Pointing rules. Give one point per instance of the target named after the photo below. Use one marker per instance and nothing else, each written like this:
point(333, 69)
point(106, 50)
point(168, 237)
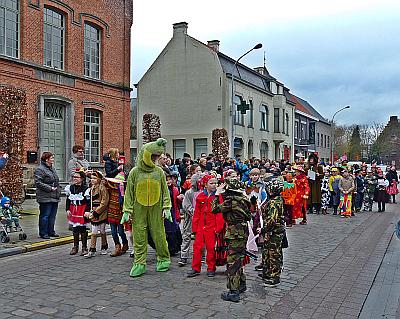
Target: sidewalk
point(29, 223)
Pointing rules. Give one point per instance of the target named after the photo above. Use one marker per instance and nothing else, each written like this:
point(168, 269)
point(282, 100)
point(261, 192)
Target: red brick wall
point(113, 89)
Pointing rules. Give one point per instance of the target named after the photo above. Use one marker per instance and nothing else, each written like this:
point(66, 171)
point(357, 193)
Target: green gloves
point(125, 218)
point(167, 214)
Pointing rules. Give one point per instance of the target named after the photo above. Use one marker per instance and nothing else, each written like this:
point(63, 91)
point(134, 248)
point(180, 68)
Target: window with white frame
point(92, 135)
point(239, 117)
point(328, 142)
point(54, 37)
point(250, 118)
point(303, 127)
point(9, 28)
point(264, 150)
point(179, 147)
point(296, 129)
point(264, 117)
point(200, 146)
point(317, 139)
point(92, 51)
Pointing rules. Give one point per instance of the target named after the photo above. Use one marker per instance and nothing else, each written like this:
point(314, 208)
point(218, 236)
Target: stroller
point(10, 224)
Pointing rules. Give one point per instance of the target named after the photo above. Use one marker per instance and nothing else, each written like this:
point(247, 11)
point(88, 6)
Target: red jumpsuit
point(302, 189)
point(205, 224)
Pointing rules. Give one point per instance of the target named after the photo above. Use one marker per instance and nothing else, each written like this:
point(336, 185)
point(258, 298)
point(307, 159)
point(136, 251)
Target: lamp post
point(257, 46)
point(333, 132)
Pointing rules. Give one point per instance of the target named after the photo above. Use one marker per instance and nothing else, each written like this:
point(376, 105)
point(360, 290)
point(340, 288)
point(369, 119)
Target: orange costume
point(302, 192)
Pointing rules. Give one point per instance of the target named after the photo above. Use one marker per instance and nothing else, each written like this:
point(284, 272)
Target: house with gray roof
point(189, 86)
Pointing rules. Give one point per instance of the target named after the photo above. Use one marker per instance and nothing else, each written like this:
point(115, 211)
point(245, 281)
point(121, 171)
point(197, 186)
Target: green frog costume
point(147, 201)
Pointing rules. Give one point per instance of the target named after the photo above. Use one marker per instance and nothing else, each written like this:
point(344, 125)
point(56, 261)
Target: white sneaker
point(90, 254)
point(104, 252)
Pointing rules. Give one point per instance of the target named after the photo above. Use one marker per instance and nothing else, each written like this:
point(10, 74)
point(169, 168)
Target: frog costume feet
point(163, 266)
point(137, 270)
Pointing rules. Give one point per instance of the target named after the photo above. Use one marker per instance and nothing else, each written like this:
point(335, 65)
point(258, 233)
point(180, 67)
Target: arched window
point(250, 149)
point(264, 150)
point(264, 117)
point(54, 39)
point(9, 28)
point(92, 51)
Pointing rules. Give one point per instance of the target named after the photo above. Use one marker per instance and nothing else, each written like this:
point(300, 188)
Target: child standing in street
point(334, 188)
point(346, 187)
point(370, 187)
point(325, 194)
point(188, 210)
point(205, 225)
point(289, 196)
point(302, 193)
point(381, 191)
point(273, 232)
point(235, 208)
point(98, 213)
point(77, 203)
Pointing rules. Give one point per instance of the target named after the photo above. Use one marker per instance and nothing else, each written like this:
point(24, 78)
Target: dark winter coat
point(315, 186)
point(46, 178)
point(111, 166)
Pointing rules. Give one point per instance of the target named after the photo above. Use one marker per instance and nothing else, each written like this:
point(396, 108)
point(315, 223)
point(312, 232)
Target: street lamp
point(257, 46)
point(333, 132)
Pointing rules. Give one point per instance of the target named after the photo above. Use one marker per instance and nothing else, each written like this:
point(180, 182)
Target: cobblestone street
point(329, 269)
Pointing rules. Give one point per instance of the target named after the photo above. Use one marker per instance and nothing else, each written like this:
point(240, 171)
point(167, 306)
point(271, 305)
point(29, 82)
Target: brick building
point(73, 60)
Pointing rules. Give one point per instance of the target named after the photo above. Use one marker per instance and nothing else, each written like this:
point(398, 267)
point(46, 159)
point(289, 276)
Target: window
point(200, 146)
point(296, 129)
point(179, 147)
point(303, 126)
point(92, 51)
point(283, 121)
point(92, 129)
point(325, 141)
point(276, 120)
point(9, 28)
point(54, 29)
point(239, 117)
point(250, 149)
point(328, 142)
point(264, 117)
point(264, 150)
point(250, 118)
point(317, 139)
point(287, 123)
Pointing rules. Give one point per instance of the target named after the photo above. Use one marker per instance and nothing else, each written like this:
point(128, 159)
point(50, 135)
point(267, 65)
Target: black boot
point(242, 287)
point(231, 295)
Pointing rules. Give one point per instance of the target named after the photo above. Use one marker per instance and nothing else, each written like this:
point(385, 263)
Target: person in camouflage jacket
point(370, 183)
point(235, 208)
point(273, 231)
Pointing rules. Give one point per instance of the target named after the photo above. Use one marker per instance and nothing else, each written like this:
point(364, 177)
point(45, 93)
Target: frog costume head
point(149, 152)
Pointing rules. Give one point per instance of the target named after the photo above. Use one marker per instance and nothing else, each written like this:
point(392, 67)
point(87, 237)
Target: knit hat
point(5, 200)
point(204, 180)
point(274, 186)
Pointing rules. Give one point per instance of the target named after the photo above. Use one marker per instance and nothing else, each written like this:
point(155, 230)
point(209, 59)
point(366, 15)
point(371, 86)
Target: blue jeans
point(359, 200)
point(120, 230)
point(47, 218)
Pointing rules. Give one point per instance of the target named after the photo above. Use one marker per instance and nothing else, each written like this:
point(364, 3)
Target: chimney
point(213, 44)
point(180, 28)
point(260, 69)
point(393, 119)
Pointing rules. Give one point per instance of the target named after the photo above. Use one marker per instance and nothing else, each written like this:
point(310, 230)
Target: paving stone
point(22, 313)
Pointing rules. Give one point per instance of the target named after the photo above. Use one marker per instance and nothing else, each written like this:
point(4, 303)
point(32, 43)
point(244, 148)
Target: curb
point(40, 245)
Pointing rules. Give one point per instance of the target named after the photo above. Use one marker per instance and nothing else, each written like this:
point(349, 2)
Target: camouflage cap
point(234, 185)
point(274, 186)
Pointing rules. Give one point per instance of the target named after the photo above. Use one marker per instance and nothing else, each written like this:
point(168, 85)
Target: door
point(54, 134)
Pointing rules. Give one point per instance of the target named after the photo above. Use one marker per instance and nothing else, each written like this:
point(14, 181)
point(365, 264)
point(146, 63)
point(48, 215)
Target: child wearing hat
point(273, 232)
point(302, 193)
point(325, 193)
point(381, 192)
point(8, 215)
point(205, 226)
point(235, 208)
point(370, 182)
point(334, 188)
point(98, 213)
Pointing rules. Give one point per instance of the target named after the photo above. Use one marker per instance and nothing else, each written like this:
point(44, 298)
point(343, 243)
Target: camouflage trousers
point(236, 242)
point(368, 201)
point(272, 256)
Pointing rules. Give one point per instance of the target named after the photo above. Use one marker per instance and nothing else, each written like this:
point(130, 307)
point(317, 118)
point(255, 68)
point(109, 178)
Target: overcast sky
point(331, 53)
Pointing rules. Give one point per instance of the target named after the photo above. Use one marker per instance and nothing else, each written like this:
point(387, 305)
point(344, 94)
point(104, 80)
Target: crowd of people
point(229, 207)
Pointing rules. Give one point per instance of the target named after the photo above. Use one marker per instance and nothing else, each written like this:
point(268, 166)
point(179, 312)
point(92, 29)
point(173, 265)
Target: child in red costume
point(302, 192)
point(205, 225)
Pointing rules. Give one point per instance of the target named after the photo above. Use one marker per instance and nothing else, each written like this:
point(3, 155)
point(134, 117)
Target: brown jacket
point(99, 203)
point(347, 184)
